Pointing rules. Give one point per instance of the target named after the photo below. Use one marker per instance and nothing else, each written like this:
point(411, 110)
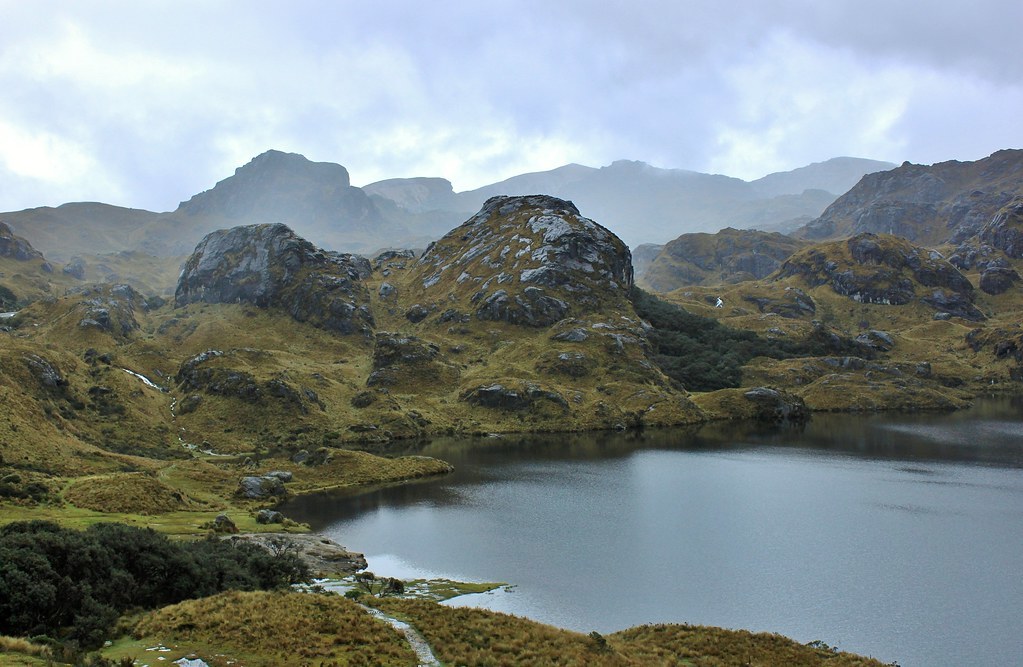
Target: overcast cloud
point(145, 103)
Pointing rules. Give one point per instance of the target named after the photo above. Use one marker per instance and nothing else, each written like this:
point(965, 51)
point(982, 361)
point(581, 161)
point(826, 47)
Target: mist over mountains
point(639, 202)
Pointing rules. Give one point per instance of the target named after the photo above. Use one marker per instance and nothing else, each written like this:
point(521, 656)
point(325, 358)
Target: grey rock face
point(997, 280)
point(775, 406)
point(324, 557)
point(399, 359)
point(15, 246)
point(46, 372)
point(110, 308)
point(270, 266)
point(204, 372)
point(886, 270)
point(1005, 231)
point(75, 268)
point(505, 398)
point(945, 202)
point(527, 260)
point(257, 488)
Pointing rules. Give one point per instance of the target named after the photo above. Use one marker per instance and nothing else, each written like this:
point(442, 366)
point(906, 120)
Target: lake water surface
point(895, 536)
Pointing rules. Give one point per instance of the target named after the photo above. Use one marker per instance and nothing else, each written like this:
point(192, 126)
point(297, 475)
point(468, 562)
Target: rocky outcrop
point(16, 247)
point(260, 488)
point(998, 279)
point(501, 397)
point(1005, 231)
point(793, 303)
point(777, 407)
point(208, 372)
point(946, 202)
point(529, 260)
point(407, 361)
point(882, 269)
point(324, 557)
point(728, 256)
point(109, 308)
point(270, 266)
point(75, 268)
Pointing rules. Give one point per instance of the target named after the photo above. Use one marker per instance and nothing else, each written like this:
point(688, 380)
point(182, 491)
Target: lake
point(895, 536)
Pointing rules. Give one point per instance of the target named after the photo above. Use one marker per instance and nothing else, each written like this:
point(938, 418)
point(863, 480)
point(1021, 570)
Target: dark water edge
point(897, 536)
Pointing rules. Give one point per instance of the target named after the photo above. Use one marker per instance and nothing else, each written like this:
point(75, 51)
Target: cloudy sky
point(143, 104)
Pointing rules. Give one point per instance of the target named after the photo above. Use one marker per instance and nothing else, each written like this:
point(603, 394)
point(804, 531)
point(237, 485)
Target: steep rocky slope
point(728, 256)
point(947, 202)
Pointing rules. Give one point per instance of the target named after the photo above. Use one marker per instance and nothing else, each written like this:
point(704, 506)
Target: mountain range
point(640, 203)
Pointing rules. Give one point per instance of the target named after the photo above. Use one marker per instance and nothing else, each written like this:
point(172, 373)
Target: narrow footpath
point(418, 643)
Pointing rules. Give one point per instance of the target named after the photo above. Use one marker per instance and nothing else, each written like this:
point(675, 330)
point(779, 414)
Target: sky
point(144, 104)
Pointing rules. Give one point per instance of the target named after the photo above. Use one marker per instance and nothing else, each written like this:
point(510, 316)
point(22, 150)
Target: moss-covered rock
point(270, 266)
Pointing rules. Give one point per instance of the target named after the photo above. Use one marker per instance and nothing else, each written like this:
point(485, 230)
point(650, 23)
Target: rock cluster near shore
point(325, 557)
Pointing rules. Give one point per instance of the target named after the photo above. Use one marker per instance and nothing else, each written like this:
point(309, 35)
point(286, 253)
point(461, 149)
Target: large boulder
point(270, 266)
point(777, 407)
point(998, 279)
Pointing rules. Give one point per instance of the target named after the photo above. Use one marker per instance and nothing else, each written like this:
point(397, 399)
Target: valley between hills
point(185, 371)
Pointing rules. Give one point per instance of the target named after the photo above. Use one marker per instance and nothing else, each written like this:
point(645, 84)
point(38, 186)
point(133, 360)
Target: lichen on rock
point(270, 266)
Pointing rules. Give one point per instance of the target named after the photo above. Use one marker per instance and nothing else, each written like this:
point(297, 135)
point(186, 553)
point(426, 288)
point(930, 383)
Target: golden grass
point(274, 628)
point(716, 647)
point(140, 493)
point(477, 637)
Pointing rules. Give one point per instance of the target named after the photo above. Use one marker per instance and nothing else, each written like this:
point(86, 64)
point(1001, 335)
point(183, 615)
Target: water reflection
point(991, 433)
point(893, 535)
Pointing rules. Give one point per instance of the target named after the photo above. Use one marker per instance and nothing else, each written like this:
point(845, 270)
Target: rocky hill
point(888, 270)
point(729, 256)
point(948, 202)
point(270, 266)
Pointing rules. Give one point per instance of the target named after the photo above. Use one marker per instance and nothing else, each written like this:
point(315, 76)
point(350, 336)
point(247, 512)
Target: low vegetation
point(702, 354)
point(73, 585)
point(274, 628)
point(473, 637)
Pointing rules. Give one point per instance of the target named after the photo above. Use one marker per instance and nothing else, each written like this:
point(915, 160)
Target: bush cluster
point(702, 354)
point(74, 584)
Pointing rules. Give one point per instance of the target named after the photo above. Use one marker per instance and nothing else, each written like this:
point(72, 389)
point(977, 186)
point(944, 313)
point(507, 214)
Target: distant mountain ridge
point(637, 201)
point(947, 202)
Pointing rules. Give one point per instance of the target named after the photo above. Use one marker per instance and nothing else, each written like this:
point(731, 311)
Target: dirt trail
point(423, 651)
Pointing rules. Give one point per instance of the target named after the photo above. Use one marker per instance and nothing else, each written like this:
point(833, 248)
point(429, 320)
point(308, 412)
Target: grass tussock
point(479, 637)
point(352, 468)
point(716, 647)
point(476, 637)
point(138, 493)
point(282, 628)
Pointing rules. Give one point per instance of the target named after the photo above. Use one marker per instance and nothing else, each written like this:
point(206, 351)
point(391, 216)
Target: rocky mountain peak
point(268, 265)
point(288, 188)
point(527, 260)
